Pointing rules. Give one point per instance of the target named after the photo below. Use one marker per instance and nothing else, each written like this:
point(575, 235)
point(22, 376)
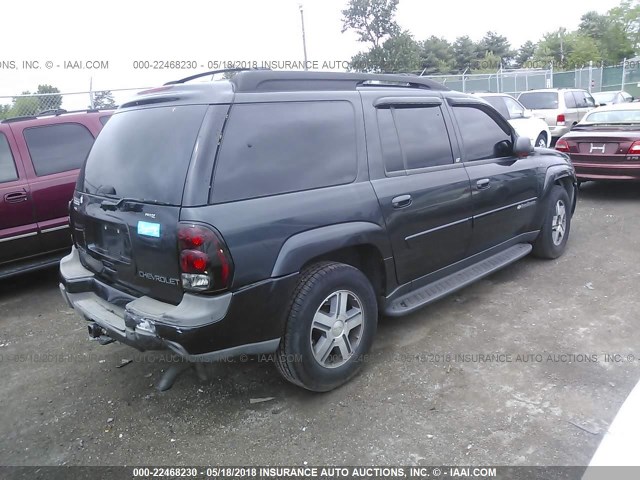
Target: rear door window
point(8, 171)
point(569, 100)
point(144, 154)
point(482, 137)
point(414, 138)
point(274, 148)
point(58, 148)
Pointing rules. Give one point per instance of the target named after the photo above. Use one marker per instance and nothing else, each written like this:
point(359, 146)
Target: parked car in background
point(279, 212)
point(39, 162)
point(605, 145)
point(561, 108)
point(521, 119)
point(611, 98)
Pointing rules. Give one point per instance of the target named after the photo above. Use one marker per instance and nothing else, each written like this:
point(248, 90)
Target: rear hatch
point(127, 203)
point(542, 105)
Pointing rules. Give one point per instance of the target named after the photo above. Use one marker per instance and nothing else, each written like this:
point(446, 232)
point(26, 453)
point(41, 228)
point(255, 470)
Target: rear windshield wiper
point(129, 204)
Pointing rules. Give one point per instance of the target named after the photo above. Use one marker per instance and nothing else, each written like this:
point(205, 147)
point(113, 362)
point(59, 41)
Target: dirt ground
point(510, 371)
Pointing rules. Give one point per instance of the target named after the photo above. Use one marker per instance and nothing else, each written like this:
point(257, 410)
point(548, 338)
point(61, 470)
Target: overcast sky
point(235, 30)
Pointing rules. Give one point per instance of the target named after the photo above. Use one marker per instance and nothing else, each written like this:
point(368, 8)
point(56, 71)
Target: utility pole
point(304, 38)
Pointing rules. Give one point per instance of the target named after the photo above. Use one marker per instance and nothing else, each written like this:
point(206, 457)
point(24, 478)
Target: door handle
point(483, 184)
point(15, 197)
point(401, 201)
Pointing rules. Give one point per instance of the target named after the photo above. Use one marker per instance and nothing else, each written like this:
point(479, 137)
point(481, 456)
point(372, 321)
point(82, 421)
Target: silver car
point(561, 108)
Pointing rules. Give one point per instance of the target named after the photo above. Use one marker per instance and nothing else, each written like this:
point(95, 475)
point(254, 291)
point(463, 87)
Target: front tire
point(552, 240)
point(331, 324)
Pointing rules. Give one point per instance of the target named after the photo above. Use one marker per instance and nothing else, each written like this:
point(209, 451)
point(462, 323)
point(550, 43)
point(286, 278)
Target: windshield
point(539, 100)
point(144, 154)
point(602, 97)
point(613, 116)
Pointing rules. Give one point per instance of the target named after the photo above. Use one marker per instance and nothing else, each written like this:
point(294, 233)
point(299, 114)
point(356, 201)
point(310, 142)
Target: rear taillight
point(205, 262)
point(560, 120)
point(562, 146)
point(634, 149)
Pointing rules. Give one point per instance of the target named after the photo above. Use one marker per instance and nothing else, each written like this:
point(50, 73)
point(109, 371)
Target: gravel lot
point(65, 401)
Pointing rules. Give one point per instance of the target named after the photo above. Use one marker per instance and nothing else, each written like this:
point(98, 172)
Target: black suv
point(285, 211)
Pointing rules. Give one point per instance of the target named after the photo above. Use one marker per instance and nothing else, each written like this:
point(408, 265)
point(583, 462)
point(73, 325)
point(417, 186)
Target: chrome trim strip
point(532, 199)
point(17, 237)
point(419, 234)
point(54, 229)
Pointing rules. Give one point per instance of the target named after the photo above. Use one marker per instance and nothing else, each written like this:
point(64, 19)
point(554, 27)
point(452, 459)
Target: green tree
point(4, 111)
point(103, 99)
point(581, 49)
point(24, 105)
point(372, 20)
point(437, 56)
point(465, 53)
point(613, 34)
point(626, 17)
point(525, 54)
point(398, 54)
point(48, 102)
point(496, 45)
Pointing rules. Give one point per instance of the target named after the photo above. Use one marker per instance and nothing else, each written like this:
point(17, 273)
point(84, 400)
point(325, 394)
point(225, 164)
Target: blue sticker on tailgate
point(149, 229)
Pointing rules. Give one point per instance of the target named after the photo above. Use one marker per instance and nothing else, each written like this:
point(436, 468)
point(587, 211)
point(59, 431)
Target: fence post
point(590, 74)
point(464, 80)
point(551, 70)
point(624, 71)
point(91, 92)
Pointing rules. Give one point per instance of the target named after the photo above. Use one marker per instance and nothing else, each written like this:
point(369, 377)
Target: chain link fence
point(593, 78)
point(42, 103)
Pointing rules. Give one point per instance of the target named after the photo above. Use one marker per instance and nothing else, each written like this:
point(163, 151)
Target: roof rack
point(53, 112)
point(211, 72)
point(271, 81)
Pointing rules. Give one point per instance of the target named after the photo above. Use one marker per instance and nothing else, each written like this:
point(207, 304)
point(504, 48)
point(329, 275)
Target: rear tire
point(552, 240)
point(541, 141)
point(332, 320)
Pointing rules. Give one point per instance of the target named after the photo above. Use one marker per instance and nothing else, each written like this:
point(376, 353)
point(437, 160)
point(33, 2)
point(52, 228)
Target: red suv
point(40, 158)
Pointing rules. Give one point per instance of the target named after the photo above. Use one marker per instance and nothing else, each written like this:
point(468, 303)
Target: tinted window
point(105, 119)
point(389, 141)
point(498, 104)
point(144, 154)
point(516, 110)
point(539, 100)
point(423, 137)
point(569, 100)
point(481, 135)
point(274, 148)
point(58, 148)
point(7, 165)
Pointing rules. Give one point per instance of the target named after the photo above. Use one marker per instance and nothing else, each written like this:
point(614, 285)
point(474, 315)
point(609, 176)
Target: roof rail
point(53, 112)
point(211, 72)
point(270, 81)
point(18, 119)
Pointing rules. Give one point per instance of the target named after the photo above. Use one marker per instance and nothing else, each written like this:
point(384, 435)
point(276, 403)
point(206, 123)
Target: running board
point(434, 291)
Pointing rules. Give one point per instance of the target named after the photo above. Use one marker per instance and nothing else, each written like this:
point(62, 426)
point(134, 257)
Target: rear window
point(613, 116)
point(539, 100)
point(144, 154)
point(274, 148)
point(58, 148)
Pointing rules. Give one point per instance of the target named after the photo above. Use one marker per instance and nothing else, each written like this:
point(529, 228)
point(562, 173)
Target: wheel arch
point(362, 245)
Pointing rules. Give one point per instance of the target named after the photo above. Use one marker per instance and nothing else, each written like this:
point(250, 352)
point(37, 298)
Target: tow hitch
point(96, 332)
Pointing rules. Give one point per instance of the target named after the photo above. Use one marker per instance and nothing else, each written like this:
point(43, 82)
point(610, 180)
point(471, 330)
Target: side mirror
point(526, 113)
point(522, 147)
